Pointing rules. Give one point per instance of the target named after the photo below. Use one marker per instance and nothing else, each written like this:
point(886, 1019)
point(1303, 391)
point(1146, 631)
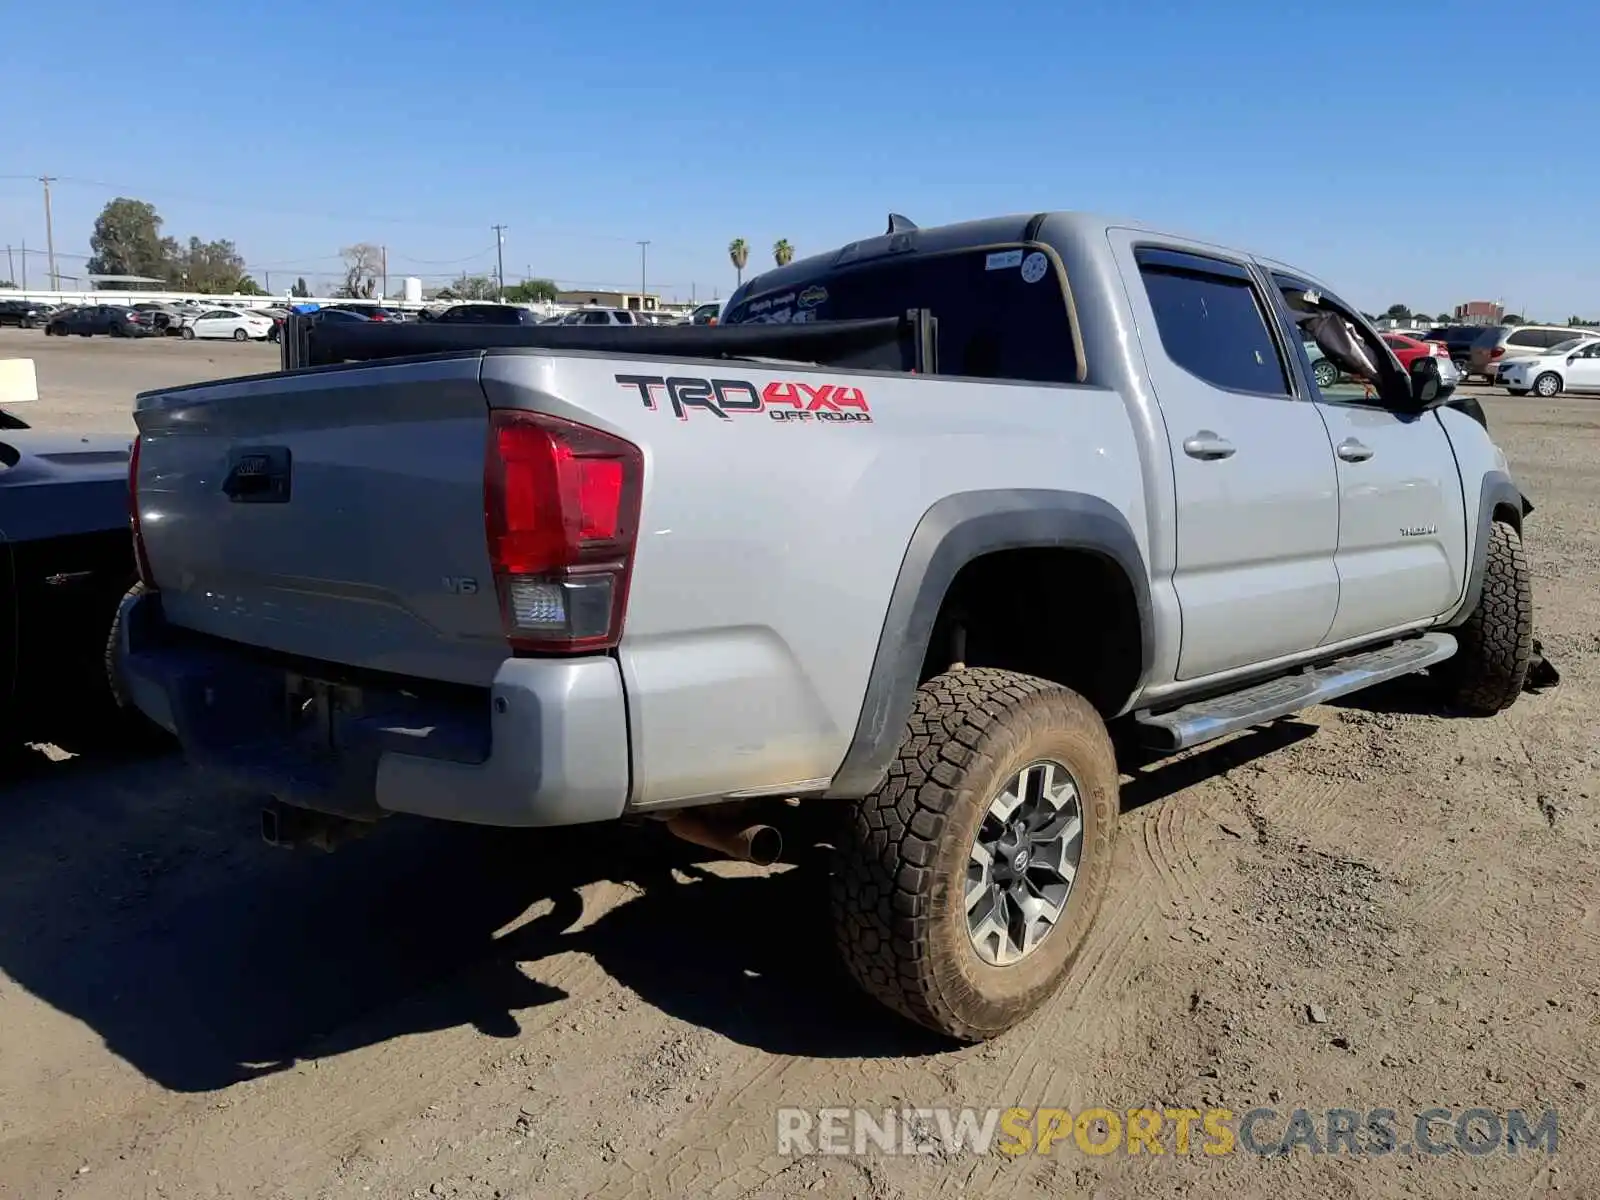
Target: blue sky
point(1404, 153)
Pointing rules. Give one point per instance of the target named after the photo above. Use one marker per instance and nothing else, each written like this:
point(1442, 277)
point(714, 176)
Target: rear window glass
point(1489, 337)
point(1002, 313)
point(1527, 337)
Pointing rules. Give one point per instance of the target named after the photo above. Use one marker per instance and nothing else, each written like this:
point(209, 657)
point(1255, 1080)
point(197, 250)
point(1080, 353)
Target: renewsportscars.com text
point(1266, 1132)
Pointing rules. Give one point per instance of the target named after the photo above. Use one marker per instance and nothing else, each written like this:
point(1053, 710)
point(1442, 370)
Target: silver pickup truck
point(905, 533)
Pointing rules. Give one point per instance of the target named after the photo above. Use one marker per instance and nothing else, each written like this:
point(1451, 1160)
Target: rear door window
point(1002, 311)
point(1527, 337)
point(1212, 322)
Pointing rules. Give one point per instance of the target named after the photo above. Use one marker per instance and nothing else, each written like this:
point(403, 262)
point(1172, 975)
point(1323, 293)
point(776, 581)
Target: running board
point(1207, 720)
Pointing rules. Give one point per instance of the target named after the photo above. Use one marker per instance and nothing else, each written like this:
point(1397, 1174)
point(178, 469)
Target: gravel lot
point(1368, 907)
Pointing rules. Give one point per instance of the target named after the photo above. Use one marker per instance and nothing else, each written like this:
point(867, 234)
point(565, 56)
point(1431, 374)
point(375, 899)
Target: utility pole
point(500, 258)
point(11, 266)
point(24, 264)
point(383, 251)
point(644, 248)
point(50, 233)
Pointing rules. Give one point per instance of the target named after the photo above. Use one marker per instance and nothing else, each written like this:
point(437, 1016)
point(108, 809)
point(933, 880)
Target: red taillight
point(140, 558)
point(561, 511)
point(1497, 352)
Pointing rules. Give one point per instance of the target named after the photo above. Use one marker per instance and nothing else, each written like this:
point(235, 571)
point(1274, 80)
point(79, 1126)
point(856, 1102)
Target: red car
point(1409, 349)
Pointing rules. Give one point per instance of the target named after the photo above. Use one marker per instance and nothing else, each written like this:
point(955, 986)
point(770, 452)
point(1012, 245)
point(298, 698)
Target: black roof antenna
point(899, 224)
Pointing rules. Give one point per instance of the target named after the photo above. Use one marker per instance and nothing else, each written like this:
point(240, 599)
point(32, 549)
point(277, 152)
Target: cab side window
point(1332, 383)
point(1212, 322)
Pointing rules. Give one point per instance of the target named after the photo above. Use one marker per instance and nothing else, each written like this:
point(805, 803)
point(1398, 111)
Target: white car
point(1569, 366)
point(242, 325)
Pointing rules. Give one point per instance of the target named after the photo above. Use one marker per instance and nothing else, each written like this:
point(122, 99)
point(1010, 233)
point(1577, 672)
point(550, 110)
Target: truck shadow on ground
point(145, 907)
point(139, 902)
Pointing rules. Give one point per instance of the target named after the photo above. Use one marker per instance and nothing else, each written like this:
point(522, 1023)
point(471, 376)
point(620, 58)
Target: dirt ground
point(1370, 906)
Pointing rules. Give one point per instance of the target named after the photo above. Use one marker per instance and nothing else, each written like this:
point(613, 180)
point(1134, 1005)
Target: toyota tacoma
point(908, 532)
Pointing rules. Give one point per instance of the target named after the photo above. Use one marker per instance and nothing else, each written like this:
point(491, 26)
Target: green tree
point(474, 287)
point(300, 289)
point(1513, 319)
point(6, 283)
point(1398, 311)
point(212, 268)
point(739, 255)
point(127, 241)
point(782, 252)
point(531, 291)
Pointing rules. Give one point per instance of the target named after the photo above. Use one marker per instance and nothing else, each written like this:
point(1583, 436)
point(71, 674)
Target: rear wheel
point(967, 882)
point(1325, 373)
point(241, 335)
point(1548, 384)
point(1495, 643)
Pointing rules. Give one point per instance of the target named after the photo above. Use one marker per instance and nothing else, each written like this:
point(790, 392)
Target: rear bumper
point(545, 744)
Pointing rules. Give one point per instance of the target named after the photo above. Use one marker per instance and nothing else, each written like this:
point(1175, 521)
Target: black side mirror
point(1428, 389)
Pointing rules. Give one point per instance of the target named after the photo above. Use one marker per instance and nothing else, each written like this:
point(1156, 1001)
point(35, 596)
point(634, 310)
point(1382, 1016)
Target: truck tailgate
point(336, 515)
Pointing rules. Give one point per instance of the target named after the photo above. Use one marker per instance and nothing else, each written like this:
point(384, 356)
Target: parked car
point(1458, 340)
point(165, 319)
point(487, 314)
point(1408, 349)
point(1505, 342)
point(1569, 366)
point(66, 562)
point(371, 312)
point(706, 314)
point(595, 315)
point(529, 647)
point(90, 319)
point(24, 314)
point(242, 325)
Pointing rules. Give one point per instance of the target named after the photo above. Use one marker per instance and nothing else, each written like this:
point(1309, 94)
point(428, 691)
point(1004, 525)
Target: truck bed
point(889, 344)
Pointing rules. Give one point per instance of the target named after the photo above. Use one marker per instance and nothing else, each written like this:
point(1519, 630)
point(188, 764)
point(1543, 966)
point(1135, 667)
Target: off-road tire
point(1495, 642)
point(899, 883)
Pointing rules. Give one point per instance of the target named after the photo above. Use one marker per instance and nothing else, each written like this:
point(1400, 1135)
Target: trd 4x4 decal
point(726, 398)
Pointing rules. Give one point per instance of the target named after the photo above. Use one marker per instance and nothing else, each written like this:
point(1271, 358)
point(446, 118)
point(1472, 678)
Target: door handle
point(1353, 451)
point(1207, 445)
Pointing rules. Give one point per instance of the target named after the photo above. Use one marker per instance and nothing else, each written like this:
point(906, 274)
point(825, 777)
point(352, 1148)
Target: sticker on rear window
point(1034, 267)
point(1002, 259)
point(814, 295)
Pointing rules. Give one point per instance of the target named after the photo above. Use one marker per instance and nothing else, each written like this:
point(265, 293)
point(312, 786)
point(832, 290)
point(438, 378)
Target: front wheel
point(1495, 642)
point(967, 882)
point(1548, 384)
point(187, 334)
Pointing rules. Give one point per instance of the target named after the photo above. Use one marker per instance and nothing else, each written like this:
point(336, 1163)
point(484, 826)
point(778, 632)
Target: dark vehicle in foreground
point(110, 319)
point(24, 314)
point(66, 562)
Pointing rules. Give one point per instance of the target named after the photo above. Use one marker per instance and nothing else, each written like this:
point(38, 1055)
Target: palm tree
point(782, 252)
point(739, 255)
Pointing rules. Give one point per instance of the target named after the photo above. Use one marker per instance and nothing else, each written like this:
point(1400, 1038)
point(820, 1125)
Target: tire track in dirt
point(1161, 851)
